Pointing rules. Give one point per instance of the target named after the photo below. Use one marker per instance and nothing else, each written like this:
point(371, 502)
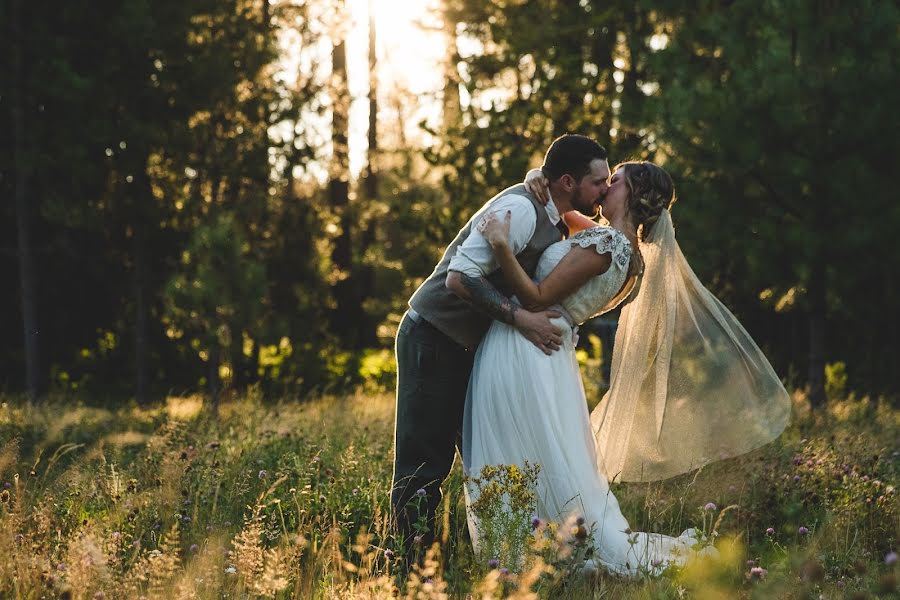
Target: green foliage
point(836, 379)
point(219, 283)
point(378, 369)
point(772, 117)
point(147, 124)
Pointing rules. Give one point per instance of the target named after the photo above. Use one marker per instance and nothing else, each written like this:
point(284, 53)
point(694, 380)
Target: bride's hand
point(538, 185)
point(495, 230)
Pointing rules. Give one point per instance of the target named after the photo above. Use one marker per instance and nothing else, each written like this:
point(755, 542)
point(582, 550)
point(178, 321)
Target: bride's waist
point(564, 314)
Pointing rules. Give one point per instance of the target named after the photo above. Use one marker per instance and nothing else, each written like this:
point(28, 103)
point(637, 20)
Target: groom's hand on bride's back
point(538, 329)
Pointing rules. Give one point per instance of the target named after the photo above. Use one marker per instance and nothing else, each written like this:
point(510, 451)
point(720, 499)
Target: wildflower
point(758, 573)
point(322, 498)
point(418, 539)
point(796, 478)
point(579, 532)
point(421, 493)
point(579, 521)
point(751, 563)
point(890, 558)
point(803, 530)
point(656, 562)
point(709, 506)
point(194, 548)
point(388, 554)
point(770, 531)
point(6, 485)
point(99, 596)
point(493, 563)
point(61, 567)
point(535, 523)
point(262, 474)
point(839, 584)
point(504, 572)
point(230, 570)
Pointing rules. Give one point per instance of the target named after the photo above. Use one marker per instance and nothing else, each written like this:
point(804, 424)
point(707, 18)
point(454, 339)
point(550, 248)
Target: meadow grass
point(290, 499)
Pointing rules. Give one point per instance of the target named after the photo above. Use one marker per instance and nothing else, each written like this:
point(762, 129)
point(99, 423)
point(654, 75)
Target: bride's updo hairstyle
point(651, 192)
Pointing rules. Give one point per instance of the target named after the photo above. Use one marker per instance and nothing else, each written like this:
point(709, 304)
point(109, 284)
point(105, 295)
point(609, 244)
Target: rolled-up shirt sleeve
point(474, 256)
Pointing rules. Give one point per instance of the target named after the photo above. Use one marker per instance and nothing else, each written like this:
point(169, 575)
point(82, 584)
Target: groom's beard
point(590, 210)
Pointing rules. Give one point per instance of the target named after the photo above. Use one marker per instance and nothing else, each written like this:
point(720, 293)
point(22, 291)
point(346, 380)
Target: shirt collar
point(552, 211)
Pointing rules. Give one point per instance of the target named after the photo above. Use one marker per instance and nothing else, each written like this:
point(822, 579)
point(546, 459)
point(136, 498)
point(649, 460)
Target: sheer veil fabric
point(688, 385)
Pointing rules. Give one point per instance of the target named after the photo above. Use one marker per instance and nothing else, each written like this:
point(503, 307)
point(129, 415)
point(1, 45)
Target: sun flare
point(409, 41)
point(410, 50)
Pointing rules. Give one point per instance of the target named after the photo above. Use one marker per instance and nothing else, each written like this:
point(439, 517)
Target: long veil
point(688, 385)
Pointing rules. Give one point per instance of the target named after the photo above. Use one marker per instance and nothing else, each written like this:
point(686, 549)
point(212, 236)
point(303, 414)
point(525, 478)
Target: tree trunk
point(365, 274)
point(817, 308)
point(451, 108)
point(141, 200)
point(238, 361)
point(371, 169)
point(212, 375)
point(345, 318)
point(818, 286)
point(27, 274)
point(140, 315)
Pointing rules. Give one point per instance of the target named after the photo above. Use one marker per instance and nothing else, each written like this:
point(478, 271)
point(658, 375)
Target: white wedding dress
point(523, 405)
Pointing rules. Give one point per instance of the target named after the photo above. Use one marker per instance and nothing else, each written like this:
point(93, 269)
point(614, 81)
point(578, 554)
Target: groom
point(452, 310)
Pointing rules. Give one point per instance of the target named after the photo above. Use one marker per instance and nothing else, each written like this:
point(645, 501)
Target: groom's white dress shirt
point(474, 256)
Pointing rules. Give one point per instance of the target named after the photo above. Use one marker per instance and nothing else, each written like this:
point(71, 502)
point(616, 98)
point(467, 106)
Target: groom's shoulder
point(518, 189)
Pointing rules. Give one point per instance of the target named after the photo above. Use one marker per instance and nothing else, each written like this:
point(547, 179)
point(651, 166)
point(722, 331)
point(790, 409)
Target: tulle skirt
point(523, 405)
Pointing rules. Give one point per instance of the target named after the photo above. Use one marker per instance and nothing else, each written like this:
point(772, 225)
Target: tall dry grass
point(290, 500)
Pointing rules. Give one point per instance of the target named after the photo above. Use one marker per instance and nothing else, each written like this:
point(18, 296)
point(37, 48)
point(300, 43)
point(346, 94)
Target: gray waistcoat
point(456, 318)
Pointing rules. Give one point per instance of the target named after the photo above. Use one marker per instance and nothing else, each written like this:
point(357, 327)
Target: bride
point(688, 384)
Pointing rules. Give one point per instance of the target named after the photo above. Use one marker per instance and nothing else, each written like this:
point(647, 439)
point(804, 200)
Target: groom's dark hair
point(571, 154)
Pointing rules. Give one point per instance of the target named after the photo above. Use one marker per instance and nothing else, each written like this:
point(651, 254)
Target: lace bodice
point(594, 295)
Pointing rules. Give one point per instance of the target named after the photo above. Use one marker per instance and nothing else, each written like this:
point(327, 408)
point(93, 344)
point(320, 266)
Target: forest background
point(211, 195)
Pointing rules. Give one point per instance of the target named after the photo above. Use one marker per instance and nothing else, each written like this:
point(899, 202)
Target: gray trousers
point(432, 378)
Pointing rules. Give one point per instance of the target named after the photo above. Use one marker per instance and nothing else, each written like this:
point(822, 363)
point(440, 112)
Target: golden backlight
point(411, 49)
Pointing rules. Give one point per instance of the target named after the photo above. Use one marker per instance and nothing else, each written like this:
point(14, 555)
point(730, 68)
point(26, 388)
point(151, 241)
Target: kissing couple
point(486, 356)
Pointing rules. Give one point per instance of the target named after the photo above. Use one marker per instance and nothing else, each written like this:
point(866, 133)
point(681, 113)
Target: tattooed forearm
point(485, 297)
